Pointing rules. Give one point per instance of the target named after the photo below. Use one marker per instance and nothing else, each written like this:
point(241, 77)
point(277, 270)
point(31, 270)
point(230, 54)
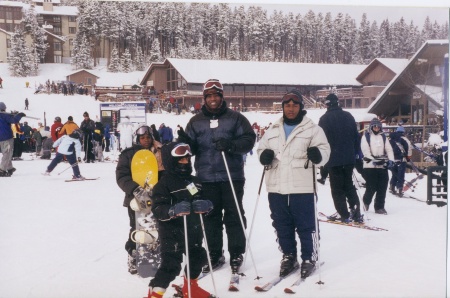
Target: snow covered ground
point(67, 239)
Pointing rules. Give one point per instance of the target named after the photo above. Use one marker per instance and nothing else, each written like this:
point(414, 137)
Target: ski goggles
point(181, 150)
point(290, 96)
point(213, 83)
point(144, 129)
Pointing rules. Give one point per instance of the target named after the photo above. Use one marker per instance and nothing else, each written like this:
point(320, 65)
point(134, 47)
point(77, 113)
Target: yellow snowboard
point(144, 168)
point(144, 171)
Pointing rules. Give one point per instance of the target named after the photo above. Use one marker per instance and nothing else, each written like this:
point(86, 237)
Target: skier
point(217, 131)
point(377, 151)
point(69, 146)
point(26, 103)
point(176, 195)
point(87, 127)
point(7, 140)
point(400, 148)
point(68, 127)
point(144, 140)
point(286, 148)
point(56, 128)
point(340, 129)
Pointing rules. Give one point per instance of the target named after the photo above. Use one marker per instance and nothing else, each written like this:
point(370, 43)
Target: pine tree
point(81, 54)
point(114, 61)
point(126, 63)
point(139, 59)
point(155, 52)
point(39, 39)
point(19, 55)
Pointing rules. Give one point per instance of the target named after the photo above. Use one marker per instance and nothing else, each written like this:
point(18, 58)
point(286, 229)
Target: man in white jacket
point(286, 150)
point(378, 157)
point(69, 146)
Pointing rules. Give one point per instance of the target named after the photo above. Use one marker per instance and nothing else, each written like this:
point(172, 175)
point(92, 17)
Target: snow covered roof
point(434, 92)
point(13, 3)
point(411, 62)
point(58, 10)
point(394, 64)
point(42, 1)
point(62, 38)
point(80, 70)
point(267, 73)
point(6, 32)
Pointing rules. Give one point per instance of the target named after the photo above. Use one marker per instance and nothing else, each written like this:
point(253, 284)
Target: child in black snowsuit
point(176, 195)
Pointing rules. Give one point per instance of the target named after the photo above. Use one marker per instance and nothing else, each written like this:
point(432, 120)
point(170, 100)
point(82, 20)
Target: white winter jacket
point(376, 149)
point(287, 174)
point(63, 144)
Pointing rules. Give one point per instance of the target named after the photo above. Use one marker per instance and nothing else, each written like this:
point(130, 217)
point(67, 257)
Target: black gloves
point(180, 209)
point(21, 114)
point(266, 157)
point(225, 145)
point(314, 154)
point(183, 137)
point(202, 206)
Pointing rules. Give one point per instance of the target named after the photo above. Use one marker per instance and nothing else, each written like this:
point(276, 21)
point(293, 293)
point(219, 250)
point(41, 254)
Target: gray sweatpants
point(7, 148)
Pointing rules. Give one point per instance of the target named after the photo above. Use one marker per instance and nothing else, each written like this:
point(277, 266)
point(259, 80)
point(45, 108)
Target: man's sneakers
point(132, 264)
point(289, 264)
point(216, 262)
point(236, 262)
point(307, 268)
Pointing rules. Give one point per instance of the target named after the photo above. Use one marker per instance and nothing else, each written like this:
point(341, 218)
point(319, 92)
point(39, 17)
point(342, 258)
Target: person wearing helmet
point(70, 147)
point(7, 140)
point(144, 141)
point(56, 127)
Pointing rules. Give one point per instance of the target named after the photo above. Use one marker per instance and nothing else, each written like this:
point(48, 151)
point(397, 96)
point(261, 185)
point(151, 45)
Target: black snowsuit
point(170, 190)
point(88, 127)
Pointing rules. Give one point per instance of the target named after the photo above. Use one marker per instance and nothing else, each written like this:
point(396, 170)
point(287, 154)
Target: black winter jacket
point(123, 173)
point(202, 129)
point(340, 128)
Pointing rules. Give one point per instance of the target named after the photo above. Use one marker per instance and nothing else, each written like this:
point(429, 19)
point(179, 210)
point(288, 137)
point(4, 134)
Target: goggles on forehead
point(212, 84)
point(144, 129)
point(181, 150)
point(290, 96)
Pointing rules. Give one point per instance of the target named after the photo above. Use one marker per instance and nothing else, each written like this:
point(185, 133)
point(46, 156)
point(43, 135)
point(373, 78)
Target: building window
point(57, 46)
point(72, 30)
point(57, 29)
point(57, 59)
point(72, 18)
point(9, 15)
point(57, 19)
point(9, 27)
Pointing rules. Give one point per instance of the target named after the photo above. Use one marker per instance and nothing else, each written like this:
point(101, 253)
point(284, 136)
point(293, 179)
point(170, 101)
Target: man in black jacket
point(340, 128)
point(88, 128)
point(214, 130)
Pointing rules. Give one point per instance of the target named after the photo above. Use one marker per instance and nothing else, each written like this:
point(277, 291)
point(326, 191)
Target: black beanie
point(297, 94)
point(332, 100)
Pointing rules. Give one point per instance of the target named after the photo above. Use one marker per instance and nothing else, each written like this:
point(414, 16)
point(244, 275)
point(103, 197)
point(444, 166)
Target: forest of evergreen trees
point(141, 32)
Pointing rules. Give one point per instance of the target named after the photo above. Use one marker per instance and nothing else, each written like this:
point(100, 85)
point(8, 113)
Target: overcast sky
point(378, 10)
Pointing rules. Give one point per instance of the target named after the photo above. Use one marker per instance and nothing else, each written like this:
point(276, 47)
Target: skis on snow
point(85, 179)
point(293, 288)
point(270, 284)
point(351, 224)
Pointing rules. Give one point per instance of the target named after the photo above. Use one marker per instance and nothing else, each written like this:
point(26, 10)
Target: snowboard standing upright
point(144, 171)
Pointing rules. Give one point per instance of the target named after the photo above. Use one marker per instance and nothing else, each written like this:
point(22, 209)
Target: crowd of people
point(289, 149)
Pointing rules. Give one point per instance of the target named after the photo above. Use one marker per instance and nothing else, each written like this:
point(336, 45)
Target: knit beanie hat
point(212, 84)
point(85, 114)
point(332, 100)
point(70, 118)
point(2, 106)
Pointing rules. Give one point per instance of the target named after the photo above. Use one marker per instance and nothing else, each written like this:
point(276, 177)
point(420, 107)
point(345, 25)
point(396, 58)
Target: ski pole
point(240, 215)
point(187, 256)
point(71, 166)
point(254, 212)
point(208, 255)
point(316, 223)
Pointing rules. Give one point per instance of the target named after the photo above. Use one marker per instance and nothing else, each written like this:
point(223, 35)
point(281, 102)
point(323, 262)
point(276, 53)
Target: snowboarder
point(69, 146)
point(176, 195)
point(144, 140)
point(286, 147)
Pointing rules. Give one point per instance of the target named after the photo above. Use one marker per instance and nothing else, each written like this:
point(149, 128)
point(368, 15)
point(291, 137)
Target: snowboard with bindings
point(144, 171)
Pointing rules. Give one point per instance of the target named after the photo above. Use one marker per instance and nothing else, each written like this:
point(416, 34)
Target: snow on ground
point(67, 239)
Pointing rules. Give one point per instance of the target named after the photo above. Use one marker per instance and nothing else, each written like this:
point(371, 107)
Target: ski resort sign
point(112, 113)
